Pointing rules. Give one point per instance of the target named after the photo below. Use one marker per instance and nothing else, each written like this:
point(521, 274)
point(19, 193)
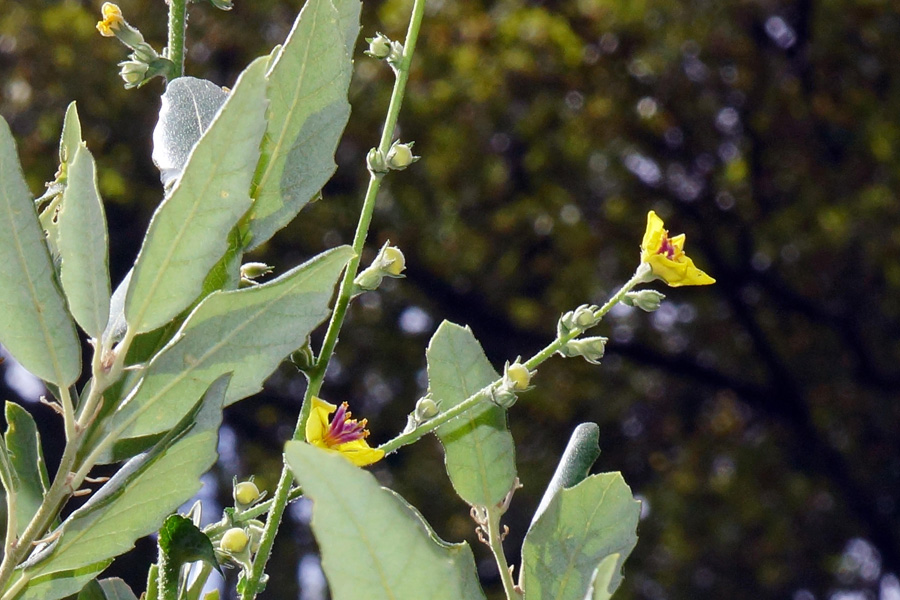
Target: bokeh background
point(757, 419)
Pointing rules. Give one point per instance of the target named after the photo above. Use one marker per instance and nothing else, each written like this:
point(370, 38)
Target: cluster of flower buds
point(516, 379)
point(390, 262)
point(383, 48)
point(646, 300)
point(583, 317)
point(590, 349)
point(398, 157)
point(251, 271)
point(144, 63)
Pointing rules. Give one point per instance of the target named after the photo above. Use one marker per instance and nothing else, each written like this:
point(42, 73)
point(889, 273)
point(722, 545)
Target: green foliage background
point(758, 418)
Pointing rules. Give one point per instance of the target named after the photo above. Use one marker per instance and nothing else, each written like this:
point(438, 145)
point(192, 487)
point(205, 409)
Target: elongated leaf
point(581, 528)
point(62, 584)
point(374, 545)
point(188, 232)
point(84, 246)
point(246, 332)
point(71, 135)
point(112, 588)
point(307, 89)
point(188, 107)
point(23, 442)
point(581, 452)
point(137, 499)
point(34, 324)
point(479, 450)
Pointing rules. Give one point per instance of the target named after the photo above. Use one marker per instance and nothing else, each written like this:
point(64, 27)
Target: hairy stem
point(282, 491)
point(177, 29)
point(495, 541)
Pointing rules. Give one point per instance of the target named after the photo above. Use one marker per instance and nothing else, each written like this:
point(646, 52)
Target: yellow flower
point(343, 434)
point(666, 256)
point(112, 19)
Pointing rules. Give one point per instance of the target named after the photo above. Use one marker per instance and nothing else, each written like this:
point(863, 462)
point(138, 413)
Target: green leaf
point(62, 584)
point(188, 107)
point(70, 139)
point(307, 90)
point(479, 450)
point(374, 545)
point(246, 332)
point(112, 588)
point(141, 494)
point(84, 245)
point(581, 528)
point(184, 542)
point(188, 232)
point(23, 443)
point(581, 452)
point(35, 326)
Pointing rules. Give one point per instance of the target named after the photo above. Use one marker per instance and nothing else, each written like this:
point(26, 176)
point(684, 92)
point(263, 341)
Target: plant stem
point(317, 376)
point(168, 576)
point(177, 28)
point(483, 394)
point(495, 541)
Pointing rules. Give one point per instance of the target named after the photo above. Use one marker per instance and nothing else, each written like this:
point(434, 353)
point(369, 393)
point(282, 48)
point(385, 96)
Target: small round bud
point(252, 270)
point(234, 541)
point(590, 349)
point(426, 408)
point(503, 397)
point(400, 156)
point(584, 316)
point(303, 357)
point(379, 46)
point(133, 72)
point(393, 260)
point(519, 376)
point(246, 493)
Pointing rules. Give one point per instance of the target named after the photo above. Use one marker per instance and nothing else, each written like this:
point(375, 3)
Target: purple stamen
point(343, 429)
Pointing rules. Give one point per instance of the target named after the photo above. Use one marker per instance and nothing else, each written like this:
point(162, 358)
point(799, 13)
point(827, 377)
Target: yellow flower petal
point(317, 423)
point(666, 256)
point(112, 19)
point(360, 453)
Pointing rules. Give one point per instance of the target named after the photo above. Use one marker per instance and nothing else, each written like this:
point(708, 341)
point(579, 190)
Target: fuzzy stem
point(177, 29)
point(317, 376)
point(495, 542)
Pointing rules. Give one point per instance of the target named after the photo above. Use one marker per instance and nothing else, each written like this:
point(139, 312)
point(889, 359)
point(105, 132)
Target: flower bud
point(646, 300)
point(234, 541)
point(112, 19)
point(400, 156)
point(390, 262)
point(517, 377)
point(503, 396)
point(303, 357)
point(590, 349)
point(246, 493)
point(426, 408)
point(133, 72)
point(585, 317)
point(379, 46)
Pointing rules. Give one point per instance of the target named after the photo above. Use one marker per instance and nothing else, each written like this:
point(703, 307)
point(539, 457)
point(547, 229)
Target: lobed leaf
point(35, 326)
point(246, 332)
point(142, 493)
point(84, 245)
point(478, 449)
point(186, 236)
point(23, 444)
point(374, 545)
point(580, 529)
point(308, 110)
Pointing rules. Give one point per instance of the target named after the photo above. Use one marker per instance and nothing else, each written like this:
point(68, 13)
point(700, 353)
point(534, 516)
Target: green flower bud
point(426, 408)
point(252, 270)
point(400, 156)
point(303, 357)
point(584, 316)
point(503, 397)
point(246, 493)
point(133, 72)
point(390, 262)
point(646, 300)
point(379, 46)
point(590, 349)
point(234, 541)
point(222, 4)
